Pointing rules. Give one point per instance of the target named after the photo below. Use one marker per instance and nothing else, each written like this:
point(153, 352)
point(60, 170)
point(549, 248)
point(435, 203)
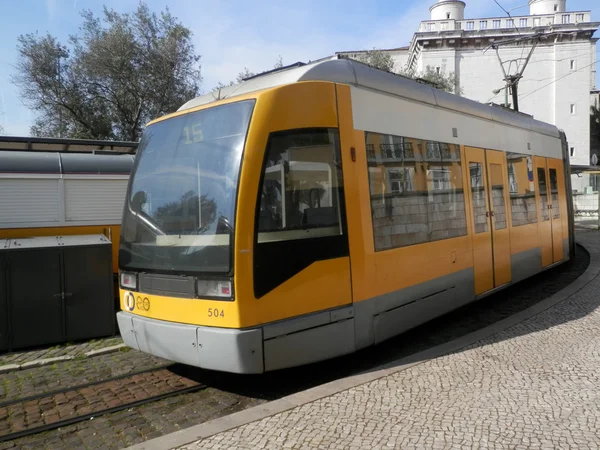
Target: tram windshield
point(180, 209)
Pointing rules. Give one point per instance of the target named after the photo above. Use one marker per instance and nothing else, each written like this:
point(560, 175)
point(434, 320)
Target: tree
point(440, 80)
point(384, 61)
point(119, 72)
point(246, 73)
point(378, 59)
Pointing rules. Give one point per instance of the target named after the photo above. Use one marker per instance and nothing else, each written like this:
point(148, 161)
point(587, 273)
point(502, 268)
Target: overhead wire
point(558, 79)
point(516, 27)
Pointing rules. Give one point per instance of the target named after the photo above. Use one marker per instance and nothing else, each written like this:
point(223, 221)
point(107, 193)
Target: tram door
point(488, 181)
point(550, 221)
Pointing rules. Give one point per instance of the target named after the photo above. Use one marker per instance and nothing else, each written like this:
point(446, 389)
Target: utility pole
point(512, 81)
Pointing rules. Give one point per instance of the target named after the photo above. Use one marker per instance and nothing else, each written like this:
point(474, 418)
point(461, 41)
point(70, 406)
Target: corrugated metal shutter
point(95, 200)
point(28, 201)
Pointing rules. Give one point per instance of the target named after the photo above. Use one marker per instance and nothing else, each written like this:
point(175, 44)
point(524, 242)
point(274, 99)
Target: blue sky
point(231, 35)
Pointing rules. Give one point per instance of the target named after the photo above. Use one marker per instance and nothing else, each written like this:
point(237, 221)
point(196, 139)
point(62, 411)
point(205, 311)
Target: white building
point(556, 83)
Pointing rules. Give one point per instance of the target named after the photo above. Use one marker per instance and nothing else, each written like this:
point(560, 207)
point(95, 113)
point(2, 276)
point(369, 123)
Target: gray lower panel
point(526, 264)
point(289, 326)
point(125, 324)
point(305, 347)
point(399, 320)
point(237, 351)
point(566, 254)
point(229, 350)
point(405, 309)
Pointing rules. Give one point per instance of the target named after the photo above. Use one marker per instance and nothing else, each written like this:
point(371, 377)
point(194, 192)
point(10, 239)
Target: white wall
point(455, 9)
point(547, 91)
point(546, 6)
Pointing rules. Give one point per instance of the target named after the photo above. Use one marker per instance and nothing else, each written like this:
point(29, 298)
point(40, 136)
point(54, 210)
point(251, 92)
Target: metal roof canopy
point(65, 163)
point(361, 75)
point(577, 169)
point(66, 145)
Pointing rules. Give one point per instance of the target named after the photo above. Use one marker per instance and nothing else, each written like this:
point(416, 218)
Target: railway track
point(50, 410)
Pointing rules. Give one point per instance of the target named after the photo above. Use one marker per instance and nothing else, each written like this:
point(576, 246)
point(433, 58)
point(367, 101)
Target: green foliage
point(384, 61)
point(247, 73)
point(440, 80)
point(118, 73)
point(378, 59)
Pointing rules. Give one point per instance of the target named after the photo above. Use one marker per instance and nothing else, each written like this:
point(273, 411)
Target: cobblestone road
point(39, 380)
point(72, 350)
point(229, 394)
point(534, 385)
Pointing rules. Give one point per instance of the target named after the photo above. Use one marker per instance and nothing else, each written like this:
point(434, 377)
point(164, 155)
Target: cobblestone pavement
point(125, 428)
point(78, 350)
point(229, 394)
point(33, 413)
point(39, 380)
point(533, 385)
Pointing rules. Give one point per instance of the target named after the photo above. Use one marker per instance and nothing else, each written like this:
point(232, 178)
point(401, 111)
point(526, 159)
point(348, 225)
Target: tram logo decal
point(142, 304)
point(129, 301)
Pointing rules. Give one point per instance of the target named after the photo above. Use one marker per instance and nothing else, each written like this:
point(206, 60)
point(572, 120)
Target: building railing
point(499, 23)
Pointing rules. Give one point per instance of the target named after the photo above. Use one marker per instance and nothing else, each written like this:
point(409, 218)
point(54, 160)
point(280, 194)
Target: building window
point(537, 22)
point(429, 27)
point(444, 26)
point(573, 64)
point(458, 25)
point(437, 69)
point(555, 8)
point(496, 24)
point(579, 18)
point(573, 109)
point(566, 18)
point(523, 22)
point(572, 151)
point(470, 25)
point(400, 180)
point(521, 188)
point(447, 15)
point(418, 196)
point(483, 24)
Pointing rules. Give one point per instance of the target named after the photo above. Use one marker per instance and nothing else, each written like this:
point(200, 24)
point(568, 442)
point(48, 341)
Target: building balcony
point(503, 23)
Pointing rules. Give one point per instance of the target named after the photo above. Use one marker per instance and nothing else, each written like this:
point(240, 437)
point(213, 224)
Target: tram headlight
point(214, 289)
point(129, 280)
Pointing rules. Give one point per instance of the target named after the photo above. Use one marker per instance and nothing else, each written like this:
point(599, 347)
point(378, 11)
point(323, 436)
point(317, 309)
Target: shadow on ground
point(470, 318)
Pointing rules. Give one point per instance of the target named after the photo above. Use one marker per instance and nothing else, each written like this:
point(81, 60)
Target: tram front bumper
point(222, 349)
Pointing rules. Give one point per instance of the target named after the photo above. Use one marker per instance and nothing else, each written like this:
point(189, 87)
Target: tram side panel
point(416, 252)
point(425, 208)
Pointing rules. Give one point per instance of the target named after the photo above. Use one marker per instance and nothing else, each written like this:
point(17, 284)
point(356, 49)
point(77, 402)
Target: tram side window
point(522, 189)
point(416, 191)
point(300, 192)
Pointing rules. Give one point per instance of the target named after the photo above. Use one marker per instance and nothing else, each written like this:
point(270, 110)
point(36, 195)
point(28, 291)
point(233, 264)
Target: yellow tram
point(317, 210)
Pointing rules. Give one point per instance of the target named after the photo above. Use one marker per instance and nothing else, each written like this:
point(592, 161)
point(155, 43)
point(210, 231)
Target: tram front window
point(180, 208)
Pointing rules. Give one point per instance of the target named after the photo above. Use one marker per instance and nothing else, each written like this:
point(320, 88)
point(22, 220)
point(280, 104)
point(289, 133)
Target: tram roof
point(357, 74)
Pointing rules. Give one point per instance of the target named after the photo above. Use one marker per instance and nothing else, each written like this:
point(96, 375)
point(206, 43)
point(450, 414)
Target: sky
point(234, 34)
